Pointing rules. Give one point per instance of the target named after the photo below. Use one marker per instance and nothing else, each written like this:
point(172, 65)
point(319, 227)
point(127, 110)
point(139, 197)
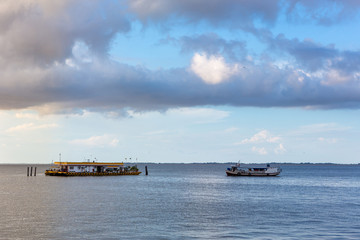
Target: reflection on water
point(182, 201)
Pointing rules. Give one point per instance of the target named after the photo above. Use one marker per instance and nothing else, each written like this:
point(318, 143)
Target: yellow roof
point(89, 163)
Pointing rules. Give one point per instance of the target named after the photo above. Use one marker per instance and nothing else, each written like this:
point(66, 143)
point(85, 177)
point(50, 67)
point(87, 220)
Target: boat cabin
point(90, 167)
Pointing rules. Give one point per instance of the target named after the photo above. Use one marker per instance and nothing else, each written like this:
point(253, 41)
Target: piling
point(29, 173)
point(146, 171)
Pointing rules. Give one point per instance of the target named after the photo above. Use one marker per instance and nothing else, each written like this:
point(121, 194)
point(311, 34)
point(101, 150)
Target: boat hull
point(82, 174)
point(250, 174)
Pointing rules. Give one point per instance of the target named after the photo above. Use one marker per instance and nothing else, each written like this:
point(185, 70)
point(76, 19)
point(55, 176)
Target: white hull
point(249, 174)
point(253, 171)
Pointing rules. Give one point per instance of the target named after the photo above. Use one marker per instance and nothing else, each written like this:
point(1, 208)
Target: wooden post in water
point(35, 172)
point(30, 171)
point(146, 171)
point(27, 171)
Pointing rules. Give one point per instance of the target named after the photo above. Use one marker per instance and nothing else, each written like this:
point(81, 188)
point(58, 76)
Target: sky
point(180, 81)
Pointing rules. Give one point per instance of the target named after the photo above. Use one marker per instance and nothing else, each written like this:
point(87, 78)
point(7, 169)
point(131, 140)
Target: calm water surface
point(182, 201)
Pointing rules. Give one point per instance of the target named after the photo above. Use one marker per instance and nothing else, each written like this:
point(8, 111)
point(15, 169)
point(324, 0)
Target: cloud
point(97, 141)
point(314, 57)
point(41, 32)
point(236, 12)
point(54, 59)
point(260, 137)
point(212, 44)
point(110, 86)
point(259, 150)
point(309, 54)
point(212, 69)
point(30, 127)
point(27, 115)
point(280, 149)
point(242, 13)
point(103, 85)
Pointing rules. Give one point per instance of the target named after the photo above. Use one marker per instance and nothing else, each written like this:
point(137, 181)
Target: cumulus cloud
point(212, 69)
point(262, 136)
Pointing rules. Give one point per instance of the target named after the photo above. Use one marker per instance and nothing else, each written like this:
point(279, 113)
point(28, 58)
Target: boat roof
point(251, 166)
point(112, 164)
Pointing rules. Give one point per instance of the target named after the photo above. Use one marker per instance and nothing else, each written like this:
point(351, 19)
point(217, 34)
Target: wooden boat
point(253, 171)
point(91, 169)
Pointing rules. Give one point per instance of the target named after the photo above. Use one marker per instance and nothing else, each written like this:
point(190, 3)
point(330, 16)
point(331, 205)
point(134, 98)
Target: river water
point(182, 201)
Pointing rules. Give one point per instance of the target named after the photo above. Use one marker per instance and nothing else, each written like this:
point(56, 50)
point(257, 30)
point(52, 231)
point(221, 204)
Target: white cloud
point(262, 136)
point(212, 69)
point(280, 149)
point(259, 150)
point(30, 126)
point(27, 115)
point(97, 141)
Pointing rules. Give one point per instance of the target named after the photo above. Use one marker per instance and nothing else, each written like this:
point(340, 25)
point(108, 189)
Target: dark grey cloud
point(54, 58)
point(242, 13)
point(109, 86)
point(210, 43)
point(347, 61)
point(232, 12)
point(41, 32)
point(313, 56)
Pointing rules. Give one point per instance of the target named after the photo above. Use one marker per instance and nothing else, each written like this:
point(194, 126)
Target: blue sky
point(180, 81)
